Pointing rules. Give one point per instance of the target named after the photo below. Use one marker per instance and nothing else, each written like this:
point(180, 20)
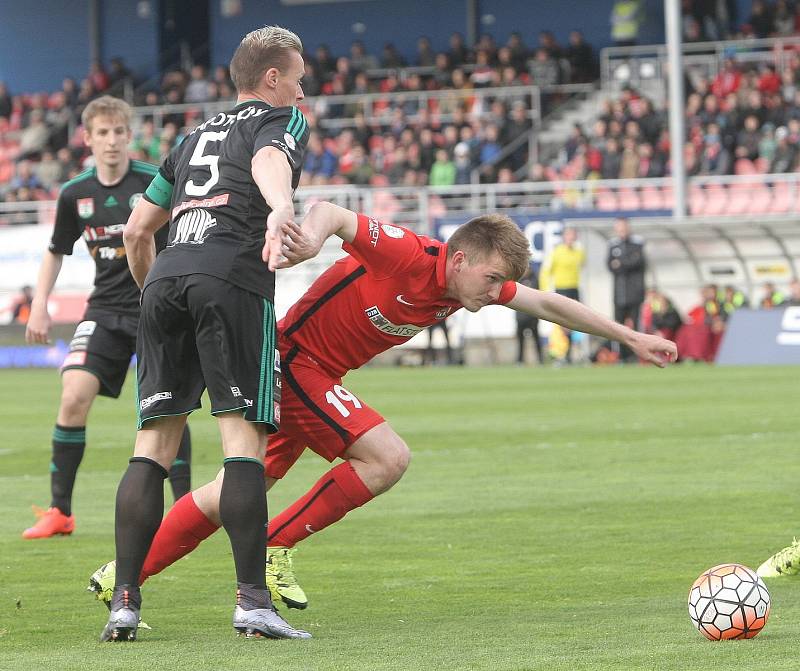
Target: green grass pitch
point(550, 519)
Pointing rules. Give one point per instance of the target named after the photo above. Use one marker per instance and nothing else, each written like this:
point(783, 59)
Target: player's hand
point(38, 327)
point(298, 245)
point(271, 253)
point(654, 349)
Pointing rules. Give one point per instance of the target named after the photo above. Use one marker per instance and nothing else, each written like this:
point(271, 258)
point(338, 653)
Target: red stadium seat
point(760, 200)
point(696, 200)
point(606, 200)
point(739, 196)
point(652, 198)
point(781, 198)
point(762, 165)
point(628, 199)
point(715, 201)
point(669, 196)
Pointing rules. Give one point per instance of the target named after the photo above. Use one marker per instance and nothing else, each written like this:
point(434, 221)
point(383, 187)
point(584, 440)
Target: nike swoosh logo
point(309, 529)
point(400, 300)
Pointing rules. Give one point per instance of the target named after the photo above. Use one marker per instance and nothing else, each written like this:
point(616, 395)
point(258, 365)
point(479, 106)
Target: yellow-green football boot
point(281, 580)
point(783, 562)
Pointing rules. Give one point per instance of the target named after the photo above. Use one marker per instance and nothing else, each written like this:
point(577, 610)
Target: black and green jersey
point(217, 213)
point(98, 213)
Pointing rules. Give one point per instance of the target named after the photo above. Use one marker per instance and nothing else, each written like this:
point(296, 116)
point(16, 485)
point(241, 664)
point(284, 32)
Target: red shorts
point(316, 412)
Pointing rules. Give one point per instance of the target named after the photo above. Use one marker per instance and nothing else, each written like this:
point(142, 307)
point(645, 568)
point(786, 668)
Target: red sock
point(181, 531)
point(334, 495)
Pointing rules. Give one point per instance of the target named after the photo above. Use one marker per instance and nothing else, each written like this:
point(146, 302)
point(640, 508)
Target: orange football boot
point(51, 522)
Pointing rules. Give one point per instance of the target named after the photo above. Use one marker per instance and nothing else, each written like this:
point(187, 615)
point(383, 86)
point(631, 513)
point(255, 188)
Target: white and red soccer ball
point(729, 601)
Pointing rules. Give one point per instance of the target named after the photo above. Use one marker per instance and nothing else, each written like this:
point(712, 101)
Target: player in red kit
point(392, 284)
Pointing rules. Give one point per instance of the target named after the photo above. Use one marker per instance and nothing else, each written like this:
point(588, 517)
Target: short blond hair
point(489, 233)
point(260, 50)
point(106, 106)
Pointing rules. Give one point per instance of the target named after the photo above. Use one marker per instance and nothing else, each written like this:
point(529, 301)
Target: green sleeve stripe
point(147, 168)
point(86, 174)
point(295, 121)
point(298, 132)
point(292, 120)
point(159, 192)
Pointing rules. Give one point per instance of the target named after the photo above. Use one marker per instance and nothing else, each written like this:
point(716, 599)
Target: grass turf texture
point(550, 519)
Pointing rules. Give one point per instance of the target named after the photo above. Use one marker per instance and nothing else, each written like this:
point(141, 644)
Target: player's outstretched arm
point(273, 175)
point(38, 328)
point(577, 317)
point(139, 237)
point(323, 220)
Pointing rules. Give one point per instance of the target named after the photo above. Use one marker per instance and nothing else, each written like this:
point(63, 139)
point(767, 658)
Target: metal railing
point(735, 197)
point(643, 65)
point(377, 108)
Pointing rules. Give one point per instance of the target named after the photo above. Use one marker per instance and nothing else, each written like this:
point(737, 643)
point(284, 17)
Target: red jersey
point(390, 287)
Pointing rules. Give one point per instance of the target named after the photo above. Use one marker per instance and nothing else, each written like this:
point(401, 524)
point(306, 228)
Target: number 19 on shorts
point(338, 397)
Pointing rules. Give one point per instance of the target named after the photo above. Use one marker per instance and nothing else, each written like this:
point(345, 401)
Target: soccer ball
point(729, 601)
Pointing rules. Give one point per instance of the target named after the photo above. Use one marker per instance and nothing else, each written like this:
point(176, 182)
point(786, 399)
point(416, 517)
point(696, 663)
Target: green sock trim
point(78, 435)
point(229, 460)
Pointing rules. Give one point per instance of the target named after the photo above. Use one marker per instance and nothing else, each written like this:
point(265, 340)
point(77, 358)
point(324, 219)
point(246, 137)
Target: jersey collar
point(441, 267)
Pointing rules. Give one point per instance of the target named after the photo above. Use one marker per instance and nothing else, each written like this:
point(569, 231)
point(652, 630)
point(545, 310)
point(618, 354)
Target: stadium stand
point(387, 104)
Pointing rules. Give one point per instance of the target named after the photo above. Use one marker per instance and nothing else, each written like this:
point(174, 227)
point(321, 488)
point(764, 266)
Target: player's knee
point(75, 402)
point(394, 460)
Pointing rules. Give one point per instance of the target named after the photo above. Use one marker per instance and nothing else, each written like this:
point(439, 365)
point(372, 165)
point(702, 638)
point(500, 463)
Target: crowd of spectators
point(745, 120)
point(41, 147)
point(712, 20)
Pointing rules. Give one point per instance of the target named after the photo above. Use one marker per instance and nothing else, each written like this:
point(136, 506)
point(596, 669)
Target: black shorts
point(103, 345)
point(569, 293)
point(199, 332)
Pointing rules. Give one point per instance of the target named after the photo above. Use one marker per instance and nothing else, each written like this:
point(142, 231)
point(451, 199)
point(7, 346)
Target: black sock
point(140, 506)
point(243, 511)
point(251, 597)
point(69, 443)
point(180, 473)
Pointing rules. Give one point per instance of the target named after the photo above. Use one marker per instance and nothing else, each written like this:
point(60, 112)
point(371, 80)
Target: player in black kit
point(95, 206)
point(208, 320)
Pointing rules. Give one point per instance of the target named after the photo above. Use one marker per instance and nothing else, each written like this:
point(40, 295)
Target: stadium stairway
point(557, 126)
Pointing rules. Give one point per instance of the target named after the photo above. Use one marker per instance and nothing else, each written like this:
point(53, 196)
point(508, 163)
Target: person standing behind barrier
point(627, 264)
point(561, 272)
point(772, 298)
point(22, 309)
point(529, 323)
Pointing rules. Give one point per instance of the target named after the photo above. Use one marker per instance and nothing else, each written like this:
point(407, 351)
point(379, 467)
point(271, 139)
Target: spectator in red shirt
point(728, 79)
point(769, 81)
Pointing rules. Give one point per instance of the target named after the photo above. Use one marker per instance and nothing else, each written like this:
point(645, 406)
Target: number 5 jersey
point(217, 213)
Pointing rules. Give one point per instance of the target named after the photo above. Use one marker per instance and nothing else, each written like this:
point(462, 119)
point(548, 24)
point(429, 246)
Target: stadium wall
point(38, 48)
point(44, 42)
point(332, 23)
point(129, 28)
point(127, 32)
